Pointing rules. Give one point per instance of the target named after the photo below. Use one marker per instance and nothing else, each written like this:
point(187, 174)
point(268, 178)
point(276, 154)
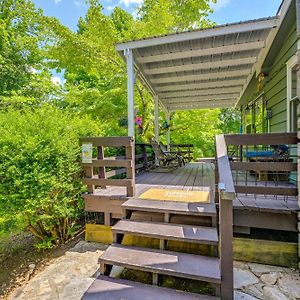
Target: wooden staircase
point(215, 230)
point(160, 261)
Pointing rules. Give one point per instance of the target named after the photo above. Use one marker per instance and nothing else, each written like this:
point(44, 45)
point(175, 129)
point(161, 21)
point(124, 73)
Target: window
point(292, 96)
point(254, 116)
point(259, 115)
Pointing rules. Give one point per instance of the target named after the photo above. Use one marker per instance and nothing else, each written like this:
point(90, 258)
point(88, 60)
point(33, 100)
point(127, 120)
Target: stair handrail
point(226, 194)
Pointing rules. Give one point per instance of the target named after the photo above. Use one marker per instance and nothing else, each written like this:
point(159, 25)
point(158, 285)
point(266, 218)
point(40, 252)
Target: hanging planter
point(165, 125)
point(140, 130)
point(139, 122)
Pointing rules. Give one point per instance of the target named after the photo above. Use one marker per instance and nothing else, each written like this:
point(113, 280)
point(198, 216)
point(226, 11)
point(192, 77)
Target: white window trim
point(291, 63)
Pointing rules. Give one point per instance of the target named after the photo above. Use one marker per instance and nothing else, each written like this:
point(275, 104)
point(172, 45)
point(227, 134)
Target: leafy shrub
point(40, 181)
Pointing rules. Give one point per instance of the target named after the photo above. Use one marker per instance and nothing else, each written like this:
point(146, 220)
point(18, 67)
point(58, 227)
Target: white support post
point(156, 116)
point(168, 135)
point(130, 91)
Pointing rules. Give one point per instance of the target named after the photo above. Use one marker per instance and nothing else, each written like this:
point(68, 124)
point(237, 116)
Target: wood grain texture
point(181, 208)
point(264, 166)
point(175, 232)
point(119, 141)
point(262, 139)
point(164, 262)
point(106, 288)
point(226, 185)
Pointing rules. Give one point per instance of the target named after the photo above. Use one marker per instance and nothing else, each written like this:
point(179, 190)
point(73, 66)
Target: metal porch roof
point(205, 68)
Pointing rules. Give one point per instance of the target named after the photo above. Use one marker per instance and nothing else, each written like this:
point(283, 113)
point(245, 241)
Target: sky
point(225, 11)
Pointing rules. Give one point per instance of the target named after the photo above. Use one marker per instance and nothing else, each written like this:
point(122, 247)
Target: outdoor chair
point(166, 158)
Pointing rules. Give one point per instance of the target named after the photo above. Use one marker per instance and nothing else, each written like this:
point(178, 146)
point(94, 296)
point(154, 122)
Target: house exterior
point(269, 102)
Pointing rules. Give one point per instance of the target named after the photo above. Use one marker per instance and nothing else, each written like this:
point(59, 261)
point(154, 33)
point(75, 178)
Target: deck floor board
point(200, 176)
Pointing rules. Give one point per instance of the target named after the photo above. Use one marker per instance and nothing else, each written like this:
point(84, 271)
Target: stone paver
point(273, 293)
point(243, 278)
point(290, 284)
point(69, 276)
point(242, 296)
point(273, 283)
point(269, 278)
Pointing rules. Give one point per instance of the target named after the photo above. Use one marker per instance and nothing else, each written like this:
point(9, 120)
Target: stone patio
point(69, 276)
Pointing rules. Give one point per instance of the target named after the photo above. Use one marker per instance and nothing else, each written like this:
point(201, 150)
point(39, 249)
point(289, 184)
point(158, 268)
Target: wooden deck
point(249, 211)
point(197, 176)
point(193, 176)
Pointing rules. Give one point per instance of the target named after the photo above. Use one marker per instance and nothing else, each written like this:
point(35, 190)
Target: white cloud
point(129, 2)
point(79, 3)
point(110, 8)
point(56, 80)
point(57, 1)
point(220, 4)
point(32, 70)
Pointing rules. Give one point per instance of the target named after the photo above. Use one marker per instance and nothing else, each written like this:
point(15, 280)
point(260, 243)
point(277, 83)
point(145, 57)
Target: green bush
point(40, 180)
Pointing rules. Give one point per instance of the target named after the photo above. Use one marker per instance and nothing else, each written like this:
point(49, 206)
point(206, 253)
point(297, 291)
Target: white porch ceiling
point(203, 68)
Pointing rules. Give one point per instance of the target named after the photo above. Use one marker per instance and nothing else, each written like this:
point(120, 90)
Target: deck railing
point(226, 195)
point(96, 174)
point(105, 171)
point(185, 150)
point(250, 166)
point(264, 164)
point(144, 157)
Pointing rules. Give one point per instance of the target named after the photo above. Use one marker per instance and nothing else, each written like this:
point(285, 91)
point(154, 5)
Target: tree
point(230, 120)
point(24, 78)
point(167, 16)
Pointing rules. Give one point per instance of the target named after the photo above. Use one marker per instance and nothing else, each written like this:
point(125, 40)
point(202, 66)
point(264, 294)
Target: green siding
point(275, 84)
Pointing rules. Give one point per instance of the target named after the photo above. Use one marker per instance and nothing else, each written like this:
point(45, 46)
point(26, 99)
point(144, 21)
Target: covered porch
point(250, 212)
point(202, 69)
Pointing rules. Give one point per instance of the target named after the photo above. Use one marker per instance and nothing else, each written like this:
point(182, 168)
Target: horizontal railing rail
point(261, 139)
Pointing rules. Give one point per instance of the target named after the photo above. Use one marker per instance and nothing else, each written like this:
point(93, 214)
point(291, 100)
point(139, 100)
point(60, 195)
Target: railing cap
point(115, 141)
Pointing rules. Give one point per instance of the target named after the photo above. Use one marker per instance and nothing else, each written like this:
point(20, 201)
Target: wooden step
point(184, 265)
point(106, 288)
point(173, 232)
point(172, 207)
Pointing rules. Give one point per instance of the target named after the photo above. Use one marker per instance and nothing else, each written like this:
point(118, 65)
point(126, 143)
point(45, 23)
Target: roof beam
point(201, 52)
point(217, 74)
point(200, 34)
point(202, 98)
point(200, 92)
point(203, 65)
point(202, 85)
point(202, 105)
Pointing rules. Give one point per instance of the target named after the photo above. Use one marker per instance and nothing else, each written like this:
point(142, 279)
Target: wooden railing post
point(89, 172)
point(101, 169)
point(226, 246)
point(226, 196)
point(130, 171)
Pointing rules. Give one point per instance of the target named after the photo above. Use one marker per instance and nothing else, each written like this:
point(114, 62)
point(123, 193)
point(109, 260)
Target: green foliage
point(39, 170)
point(230, 120)
point(165, 16)
point(24, 78)
point(197, 127)
point(40, 182)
